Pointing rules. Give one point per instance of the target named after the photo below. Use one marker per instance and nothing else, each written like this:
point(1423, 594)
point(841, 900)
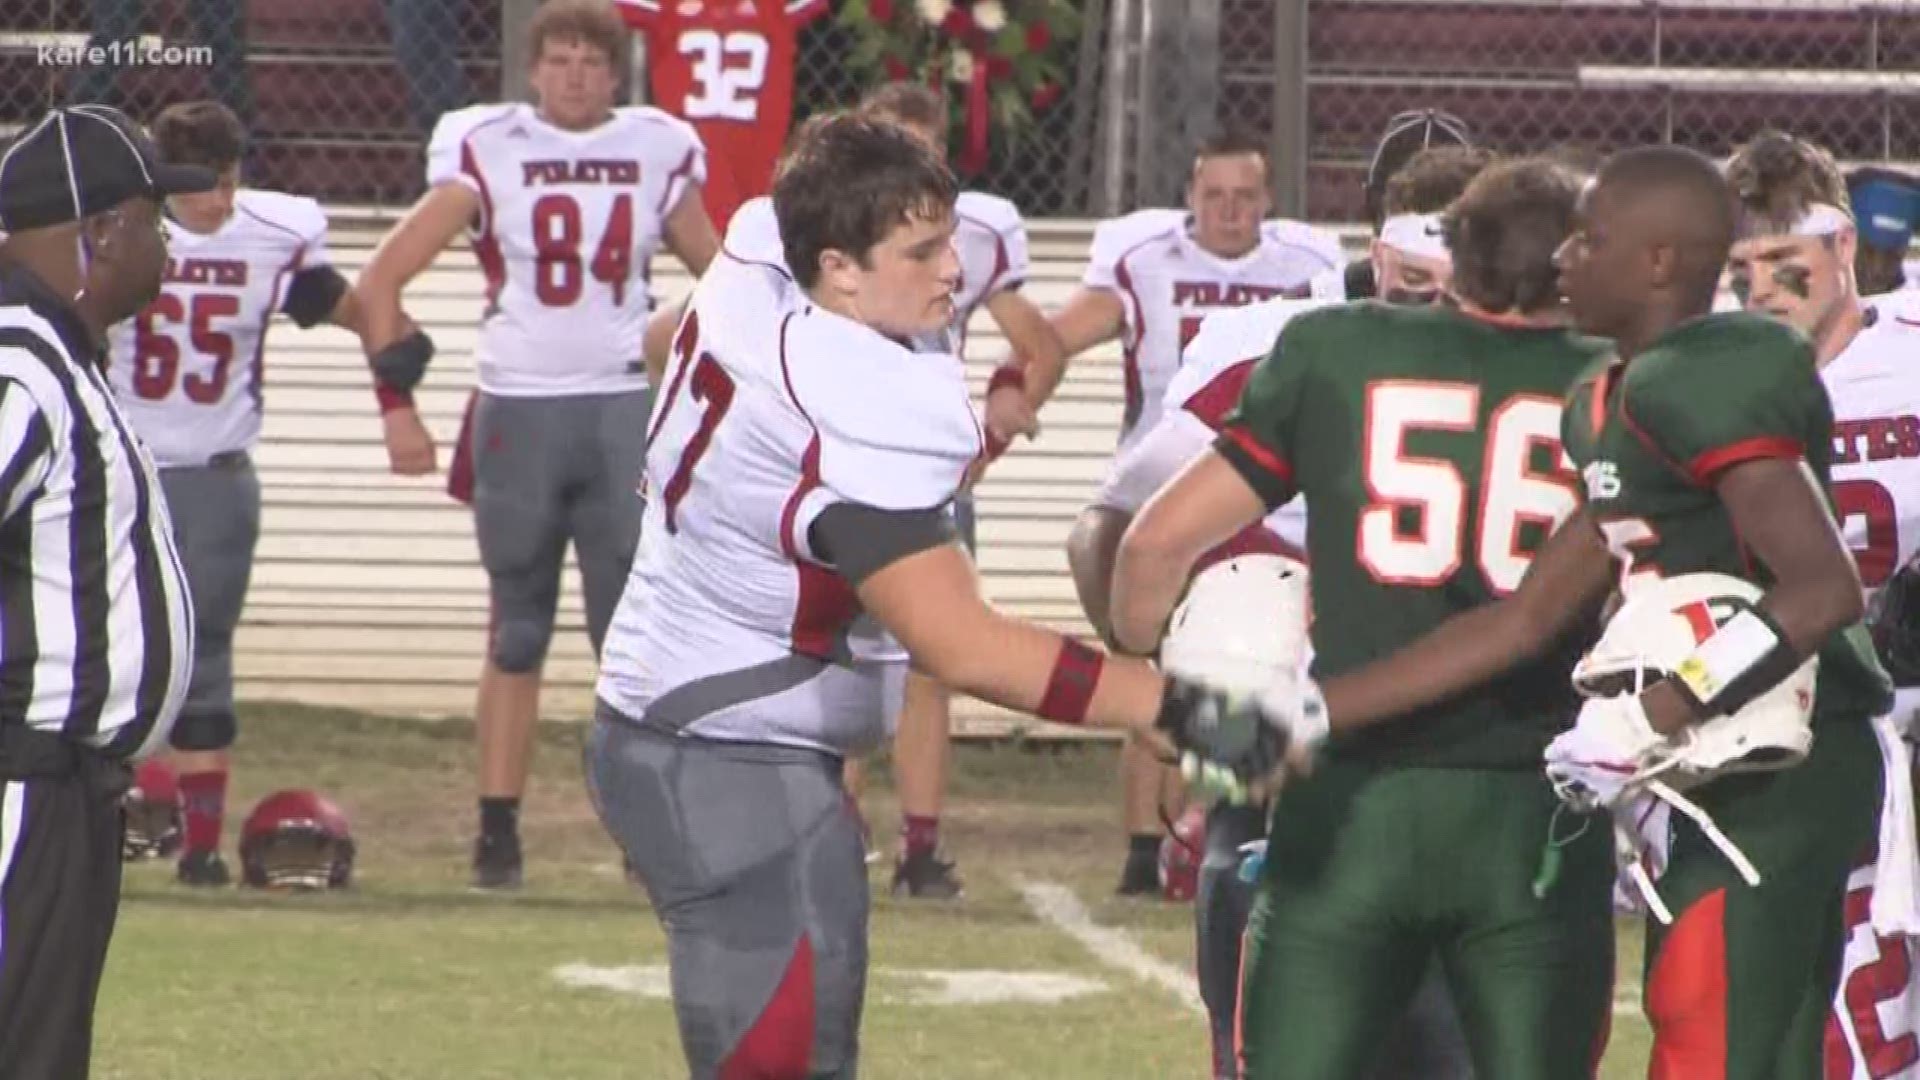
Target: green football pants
point(1372, 874)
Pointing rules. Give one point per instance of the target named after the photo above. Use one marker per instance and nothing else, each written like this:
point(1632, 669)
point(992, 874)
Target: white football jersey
point(569, 222)
point(772, 413)
point(1874, 385)
point(1877, 1007)
point(1198, 400)
point(187, 369)
point(1167, 284)
point(991, 240)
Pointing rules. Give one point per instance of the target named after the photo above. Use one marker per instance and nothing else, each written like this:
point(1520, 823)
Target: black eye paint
point(1741, 284)
point(1797, 280)
point(1411, 296)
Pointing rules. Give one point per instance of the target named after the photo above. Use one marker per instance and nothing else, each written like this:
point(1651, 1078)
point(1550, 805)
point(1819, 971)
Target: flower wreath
point(1000, 53)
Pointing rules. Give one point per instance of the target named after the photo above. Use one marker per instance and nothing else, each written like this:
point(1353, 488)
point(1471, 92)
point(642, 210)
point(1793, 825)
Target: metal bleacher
point(367, 592)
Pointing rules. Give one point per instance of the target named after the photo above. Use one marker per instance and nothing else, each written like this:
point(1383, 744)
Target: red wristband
point(391, 399)
point(1076, 672)
point(1012, 373)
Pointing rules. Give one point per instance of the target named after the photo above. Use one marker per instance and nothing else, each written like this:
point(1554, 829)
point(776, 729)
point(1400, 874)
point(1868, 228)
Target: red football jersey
point(726, 67)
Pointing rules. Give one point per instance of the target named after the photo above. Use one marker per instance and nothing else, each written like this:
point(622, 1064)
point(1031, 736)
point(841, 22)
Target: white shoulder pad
point(1229, 336)
point(299, 220)
point(667, 138)
point(896, 427)
point(1003, 218)
point(754, 234)
point(443, 148)
point(1321, 242)
point(1114, 238)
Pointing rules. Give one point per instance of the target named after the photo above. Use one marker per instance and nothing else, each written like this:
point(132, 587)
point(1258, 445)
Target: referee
point(96, 633)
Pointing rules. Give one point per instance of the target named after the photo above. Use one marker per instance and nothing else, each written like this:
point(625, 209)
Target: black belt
point(31, 754)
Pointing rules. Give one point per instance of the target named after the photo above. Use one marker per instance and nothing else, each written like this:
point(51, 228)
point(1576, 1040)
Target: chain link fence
point(338, 95)
point(1590, 76)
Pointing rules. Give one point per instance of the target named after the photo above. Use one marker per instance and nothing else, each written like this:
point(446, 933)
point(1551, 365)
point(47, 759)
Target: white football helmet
point(1661, 624)
point(1242, 623)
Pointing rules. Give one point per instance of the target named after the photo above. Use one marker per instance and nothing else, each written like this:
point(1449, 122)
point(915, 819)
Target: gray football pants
point(1426, 1044)
point(752, 857)
point(547, 470)
point(216, 524)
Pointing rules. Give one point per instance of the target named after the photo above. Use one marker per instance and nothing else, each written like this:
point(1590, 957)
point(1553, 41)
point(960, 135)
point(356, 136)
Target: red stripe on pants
point(1687, 995)
point(779, 1045)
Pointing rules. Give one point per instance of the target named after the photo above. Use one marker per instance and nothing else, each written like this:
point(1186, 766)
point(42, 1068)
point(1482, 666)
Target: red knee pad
point(1687, 995)
point(779, 1045)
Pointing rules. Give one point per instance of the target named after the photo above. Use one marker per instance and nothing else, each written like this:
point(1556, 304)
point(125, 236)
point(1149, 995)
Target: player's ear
point(837, 269)
point(1663, 265)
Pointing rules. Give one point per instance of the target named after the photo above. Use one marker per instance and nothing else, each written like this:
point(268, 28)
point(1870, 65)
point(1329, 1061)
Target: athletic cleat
point(1140, 877)
point(496, 862)
point(926, 876)
point(203, 869)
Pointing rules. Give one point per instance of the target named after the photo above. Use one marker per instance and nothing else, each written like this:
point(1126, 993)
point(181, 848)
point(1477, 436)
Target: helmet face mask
point(297, 841)
point(154, 822)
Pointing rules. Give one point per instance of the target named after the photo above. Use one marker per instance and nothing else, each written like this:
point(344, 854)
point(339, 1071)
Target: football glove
point(1246, 736)
point(402, 364)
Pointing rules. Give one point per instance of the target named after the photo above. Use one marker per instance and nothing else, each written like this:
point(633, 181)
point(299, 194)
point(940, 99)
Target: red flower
point(1044, 95)
point(1038, 37)
point(959, 21)
point(881, 10)
point(895, 68)
point(999, 67)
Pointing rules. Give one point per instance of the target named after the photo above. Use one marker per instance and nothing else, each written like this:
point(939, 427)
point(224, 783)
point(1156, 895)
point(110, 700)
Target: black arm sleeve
point(1359, 280)
point(313, 294)
point(859, 540)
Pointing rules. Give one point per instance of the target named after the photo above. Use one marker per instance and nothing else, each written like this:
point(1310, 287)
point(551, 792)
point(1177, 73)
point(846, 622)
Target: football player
point(1794, 260)
point(565, 203)
point(991, 240)
point(1425, 441)
point(799, 548)
point(1409, 264)
point(188, 372)
point(1705, 446)
point(1152, 276)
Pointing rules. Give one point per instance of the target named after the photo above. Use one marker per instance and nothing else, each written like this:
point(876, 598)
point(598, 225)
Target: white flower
point(933, 11)
point(960, 66)
point(990, 15)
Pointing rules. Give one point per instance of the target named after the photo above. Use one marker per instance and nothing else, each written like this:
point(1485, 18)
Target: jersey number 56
point(1513, 490)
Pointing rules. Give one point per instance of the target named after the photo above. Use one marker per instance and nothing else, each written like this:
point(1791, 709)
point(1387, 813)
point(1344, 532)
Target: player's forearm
point(1779, 512)
point(1471, 648)
point(403, 254)
point(657, 343)
point(690, 233)
point(1035, 345)
point(1149, 571)
point(1021, 666)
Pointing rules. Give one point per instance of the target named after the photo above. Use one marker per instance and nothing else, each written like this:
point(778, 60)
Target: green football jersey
point(1427, 444)
point(1652, 436)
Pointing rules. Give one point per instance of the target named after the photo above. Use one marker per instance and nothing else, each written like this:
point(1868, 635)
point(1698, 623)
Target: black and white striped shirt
point(96, 627)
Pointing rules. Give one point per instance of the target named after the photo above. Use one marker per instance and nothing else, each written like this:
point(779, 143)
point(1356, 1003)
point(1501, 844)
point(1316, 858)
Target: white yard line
point(1060, 908)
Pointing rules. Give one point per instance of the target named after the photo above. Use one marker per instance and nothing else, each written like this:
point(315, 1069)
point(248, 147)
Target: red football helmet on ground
point(296, 839)
point(153, 815)
point(1181, 852)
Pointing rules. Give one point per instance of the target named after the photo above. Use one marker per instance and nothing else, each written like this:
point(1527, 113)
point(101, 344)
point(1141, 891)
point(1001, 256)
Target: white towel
point(1896, 876)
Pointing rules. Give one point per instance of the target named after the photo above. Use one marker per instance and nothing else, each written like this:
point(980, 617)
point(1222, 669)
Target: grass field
point(411, 976)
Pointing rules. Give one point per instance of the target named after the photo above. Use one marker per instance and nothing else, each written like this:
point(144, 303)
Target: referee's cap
point(1407, 134)
point(82, 160)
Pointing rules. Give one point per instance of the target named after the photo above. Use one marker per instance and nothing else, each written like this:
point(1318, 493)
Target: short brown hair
point(1432, 179)
point(907, 103)
point(204, 133)
point(1231, 140)
point(1503, 231)
point(592, 21)
point(1777, 177)
point(848, 182)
